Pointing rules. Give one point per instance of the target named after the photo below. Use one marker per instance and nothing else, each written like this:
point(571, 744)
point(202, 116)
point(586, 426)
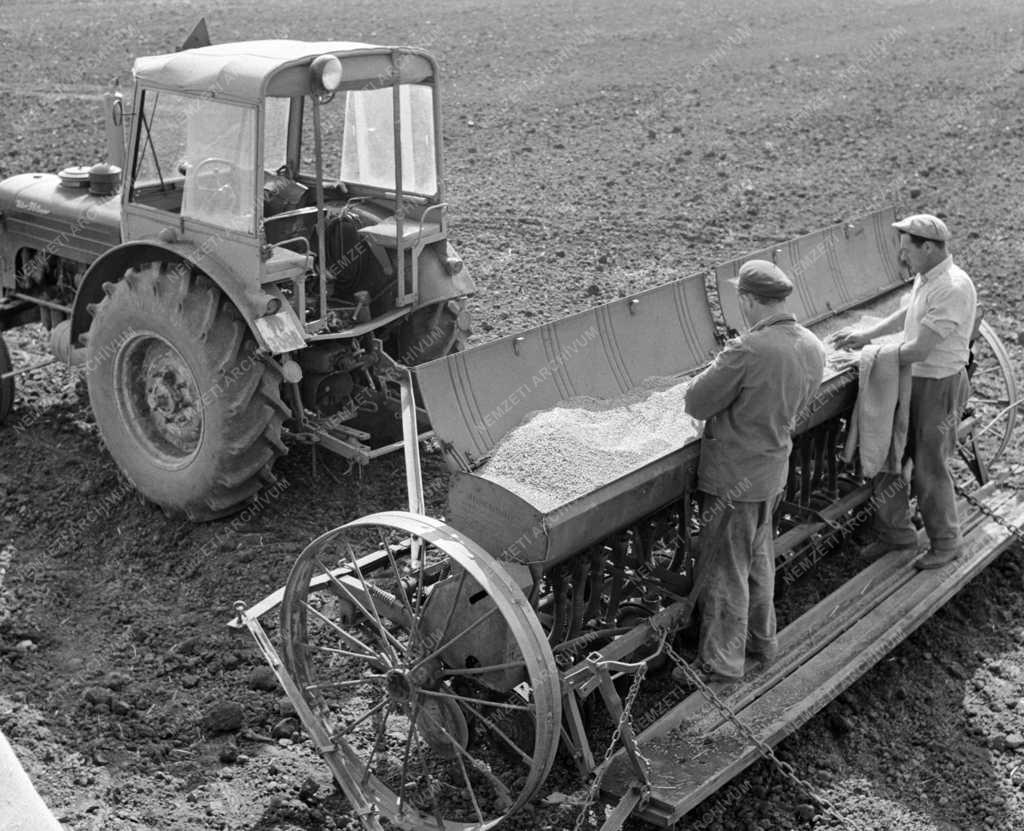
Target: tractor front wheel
point(187, 408)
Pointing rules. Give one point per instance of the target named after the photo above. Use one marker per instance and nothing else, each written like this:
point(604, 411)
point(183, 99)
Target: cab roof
point(252, 70)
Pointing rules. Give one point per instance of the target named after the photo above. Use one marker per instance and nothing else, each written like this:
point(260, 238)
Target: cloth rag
point(881, 416)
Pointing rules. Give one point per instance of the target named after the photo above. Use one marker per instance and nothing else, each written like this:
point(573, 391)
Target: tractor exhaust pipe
point(113, 125)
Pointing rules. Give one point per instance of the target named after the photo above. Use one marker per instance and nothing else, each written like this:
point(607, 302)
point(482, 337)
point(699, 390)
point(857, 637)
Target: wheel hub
point(439, 720)
point(398, 686)
point(171, 396)
point(159, 397)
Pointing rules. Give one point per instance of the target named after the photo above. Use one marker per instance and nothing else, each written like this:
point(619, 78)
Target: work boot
point(759, 661)
point(863, 535)
point(936, 558)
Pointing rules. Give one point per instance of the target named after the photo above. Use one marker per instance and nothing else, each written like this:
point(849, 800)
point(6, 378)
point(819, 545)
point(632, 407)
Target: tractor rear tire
point(188, 410)
point(433, 332)
point(7, 384)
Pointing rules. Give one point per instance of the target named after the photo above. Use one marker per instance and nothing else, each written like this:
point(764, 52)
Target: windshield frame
point(301, 111)
point(166, 192)
point(400, 145)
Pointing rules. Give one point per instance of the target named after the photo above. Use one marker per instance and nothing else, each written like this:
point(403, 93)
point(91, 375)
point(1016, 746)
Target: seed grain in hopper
point(559, 454)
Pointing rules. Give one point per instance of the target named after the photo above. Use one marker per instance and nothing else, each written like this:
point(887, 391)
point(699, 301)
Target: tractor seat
point(386, 233)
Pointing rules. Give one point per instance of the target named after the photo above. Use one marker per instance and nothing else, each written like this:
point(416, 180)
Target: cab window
point(197, 157)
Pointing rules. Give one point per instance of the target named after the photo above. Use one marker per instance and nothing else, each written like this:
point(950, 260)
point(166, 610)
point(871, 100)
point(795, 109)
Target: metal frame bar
point(364, 809)
point(396, 110)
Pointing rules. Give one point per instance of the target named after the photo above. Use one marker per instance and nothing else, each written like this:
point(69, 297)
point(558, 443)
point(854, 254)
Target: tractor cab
point(312, 170)
point(277, 258)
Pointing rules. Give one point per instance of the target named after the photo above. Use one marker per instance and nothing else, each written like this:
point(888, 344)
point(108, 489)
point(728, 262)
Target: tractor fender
point(250, 300)
point(435, 283)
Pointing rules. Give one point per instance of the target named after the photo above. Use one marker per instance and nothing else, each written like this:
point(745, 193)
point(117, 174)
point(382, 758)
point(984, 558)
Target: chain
point(987, 511)
point(634, 690)
point(785, 768)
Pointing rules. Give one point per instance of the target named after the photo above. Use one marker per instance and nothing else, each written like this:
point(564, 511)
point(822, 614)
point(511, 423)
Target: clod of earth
point(224, 717)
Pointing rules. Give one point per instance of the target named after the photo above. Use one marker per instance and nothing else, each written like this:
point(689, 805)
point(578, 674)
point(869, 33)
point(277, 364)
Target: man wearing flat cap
point(937, 324)
point(749, 397)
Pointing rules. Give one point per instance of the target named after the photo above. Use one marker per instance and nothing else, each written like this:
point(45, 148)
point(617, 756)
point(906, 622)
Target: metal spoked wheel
point(993, 400)
point(424, 664)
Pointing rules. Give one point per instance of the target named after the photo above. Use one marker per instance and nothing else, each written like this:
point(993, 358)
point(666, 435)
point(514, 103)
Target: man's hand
point(851, 338)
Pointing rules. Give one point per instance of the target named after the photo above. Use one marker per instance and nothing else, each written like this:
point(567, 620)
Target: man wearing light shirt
point(937, 325)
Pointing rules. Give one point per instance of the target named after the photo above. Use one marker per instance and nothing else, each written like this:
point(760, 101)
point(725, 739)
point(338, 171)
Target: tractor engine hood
point(37, 212)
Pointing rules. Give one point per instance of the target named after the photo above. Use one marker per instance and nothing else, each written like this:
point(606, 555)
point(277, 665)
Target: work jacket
point(751, 396)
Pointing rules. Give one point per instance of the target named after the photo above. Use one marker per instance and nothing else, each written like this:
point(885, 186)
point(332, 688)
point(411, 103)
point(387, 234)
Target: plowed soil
point(593, 149)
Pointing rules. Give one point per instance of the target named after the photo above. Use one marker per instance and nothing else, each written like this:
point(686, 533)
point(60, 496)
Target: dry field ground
point(593, 149)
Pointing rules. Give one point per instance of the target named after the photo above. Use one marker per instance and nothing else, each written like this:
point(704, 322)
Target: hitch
point(322, 740)
point(602, 670)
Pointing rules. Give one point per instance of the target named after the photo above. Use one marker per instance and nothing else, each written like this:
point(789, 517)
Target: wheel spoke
point(482, 670)
point(429, 777)
point(413, 619)
point(461, 752)
point(376, 708)
point(388, 638)
point(461, 634)
point(405, 757)
point(333, 650)
point(351, 640)
point(469, 787)
point(523, 756)
point(378, 740)
point(529, 708)
point(418, 554)
point(351, 682)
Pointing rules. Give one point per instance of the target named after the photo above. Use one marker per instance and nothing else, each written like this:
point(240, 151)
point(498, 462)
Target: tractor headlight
point(326, 72)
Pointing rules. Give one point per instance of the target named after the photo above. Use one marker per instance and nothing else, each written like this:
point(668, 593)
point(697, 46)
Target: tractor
point(275, 257)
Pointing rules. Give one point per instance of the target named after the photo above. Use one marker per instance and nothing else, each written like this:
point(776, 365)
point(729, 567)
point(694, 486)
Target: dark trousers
point(738, 600)
point(935, 408)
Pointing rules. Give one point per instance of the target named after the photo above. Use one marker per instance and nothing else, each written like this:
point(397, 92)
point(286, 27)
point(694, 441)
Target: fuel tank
point(37, 211)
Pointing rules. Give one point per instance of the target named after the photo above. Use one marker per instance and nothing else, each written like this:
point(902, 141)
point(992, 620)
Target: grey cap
point(925, 226)
point(764, 279)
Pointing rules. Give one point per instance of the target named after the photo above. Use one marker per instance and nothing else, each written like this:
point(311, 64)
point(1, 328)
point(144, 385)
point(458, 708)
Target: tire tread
point(253, 410)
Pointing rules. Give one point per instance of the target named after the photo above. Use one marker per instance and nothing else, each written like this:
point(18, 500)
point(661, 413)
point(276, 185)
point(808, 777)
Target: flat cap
point(925, 226)
point(764, 279)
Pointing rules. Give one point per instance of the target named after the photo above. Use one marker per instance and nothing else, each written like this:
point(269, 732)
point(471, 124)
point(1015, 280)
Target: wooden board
point(811, 632)
point(693, 752)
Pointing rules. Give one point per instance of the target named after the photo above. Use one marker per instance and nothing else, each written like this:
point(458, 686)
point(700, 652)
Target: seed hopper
point(441, 665)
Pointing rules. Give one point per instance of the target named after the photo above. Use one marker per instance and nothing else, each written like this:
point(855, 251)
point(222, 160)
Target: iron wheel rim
point(159, 400)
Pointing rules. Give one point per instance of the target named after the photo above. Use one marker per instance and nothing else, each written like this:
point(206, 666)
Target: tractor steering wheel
point(220, 194)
